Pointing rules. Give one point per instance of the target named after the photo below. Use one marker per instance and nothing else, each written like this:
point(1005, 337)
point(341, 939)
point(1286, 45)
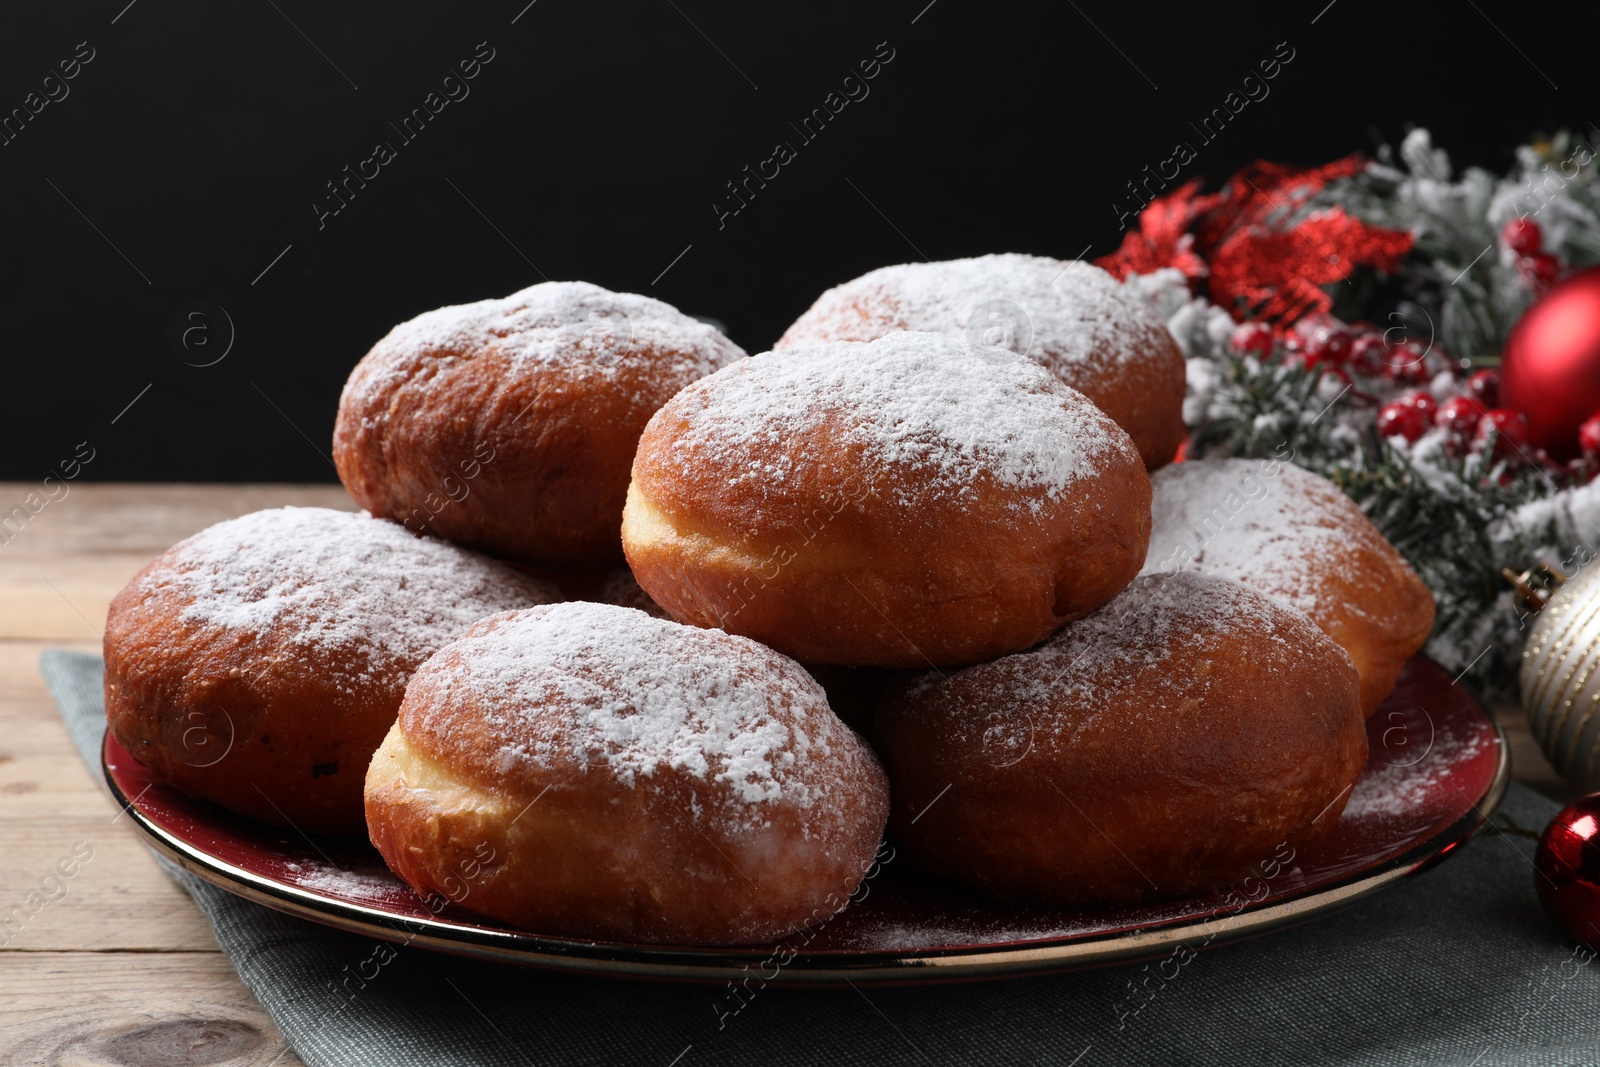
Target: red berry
point(1369, 355)
point(1252, 339)
point(1510, 429)
point(1589, 437)
point(1323, 339)
point(1407, 363)
point(1408, 416)
point(1539, 271)
point(1522, 236)
point(1484, 387)
point(1339, 345)
point(1423, 402)
point(1458, 417)
point(1459, 414)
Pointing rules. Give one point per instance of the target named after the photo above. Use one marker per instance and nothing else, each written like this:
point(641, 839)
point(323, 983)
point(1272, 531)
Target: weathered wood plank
point(54, 812)
point(100, 1009)
point(61, 601)
point(82, 881)
point(23, 696)
point(135, 518)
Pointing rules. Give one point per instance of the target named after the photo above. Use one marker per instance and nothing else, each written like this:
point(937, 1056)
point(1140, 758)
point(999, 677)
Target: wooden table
point(122, 969)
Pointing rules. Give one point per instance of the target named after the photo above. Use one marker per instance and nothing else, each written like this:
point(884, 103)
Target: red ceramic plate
point(1438, 767)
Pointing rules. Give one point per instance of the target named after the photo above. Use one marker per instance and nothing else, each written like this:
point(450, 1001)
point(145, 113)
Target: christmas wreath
point(1428, 341)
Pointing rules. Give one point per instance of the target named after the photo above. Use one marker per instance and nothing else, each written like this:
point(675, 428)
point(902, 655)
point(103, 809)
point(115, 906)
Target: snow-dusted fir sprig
point(1469, 284)
point(1458, 520)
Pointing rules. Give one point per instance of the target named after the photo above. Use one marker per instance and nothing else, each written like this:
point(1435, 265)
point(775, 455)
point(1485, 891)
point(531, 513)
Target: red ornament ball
point(1568, 869)
point(1522, 236)
point(1510, 430)
point(1408, 416)
point(1550, 370)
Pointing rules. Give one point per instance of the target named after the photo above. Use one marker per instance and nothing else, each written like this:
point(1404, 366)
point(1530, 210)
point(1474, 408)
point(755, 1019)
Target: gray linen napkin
point(1458, 966)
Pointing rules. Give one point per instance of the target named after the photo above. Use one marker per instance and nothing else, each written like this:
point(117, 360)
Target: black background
point(594, 145)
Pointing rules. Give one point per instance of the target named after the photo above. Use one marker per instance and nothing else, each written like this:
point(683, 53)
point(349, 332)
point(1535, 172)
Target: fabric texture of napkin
point(1458, 965)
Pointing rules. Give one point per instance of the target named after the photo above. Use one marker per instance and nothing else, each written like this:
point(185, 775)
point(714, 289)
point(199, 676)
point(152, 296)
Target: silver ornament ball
point(1560, 678)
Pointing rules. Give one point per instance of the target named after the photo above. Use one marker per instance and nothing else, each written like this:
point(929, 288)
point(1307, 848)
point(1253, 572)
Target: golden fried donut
point(1165, 745)
point(916, 500)
point(1072, 317)
point(1293, 535)
point(509, 425)
point(632, 779)
point(259, 663)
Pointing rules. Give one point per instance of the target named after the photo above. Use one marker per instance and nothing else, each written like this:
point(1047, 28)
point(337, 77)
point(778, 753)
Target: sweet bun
point(1072, 317)
point(1293, 535)
point(628, 778)
point(259, 663)
point(509, 425)
point(916, 500)
point(1165, 745)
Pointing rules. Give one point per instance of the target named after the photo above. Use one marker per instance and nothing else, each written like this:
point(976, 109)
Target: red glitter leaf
point(1252, 248)
point(1162, 239)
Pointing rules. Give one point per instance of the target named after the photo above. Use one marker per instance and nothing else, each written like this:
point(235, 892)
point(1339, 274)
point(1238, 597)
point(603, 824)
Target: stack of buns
point(924, 518)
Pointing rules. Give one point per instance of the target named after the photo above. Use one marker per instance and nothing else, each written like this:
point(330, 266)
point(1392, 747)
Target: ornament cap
point(1536, 585)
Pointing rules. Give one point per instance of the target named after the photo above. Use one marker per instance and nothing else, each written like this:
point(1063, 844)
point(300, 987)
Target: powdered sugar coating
point(1070, 316)
point(608, 689)
point(576, 326)
point(1266, 523)
point(368, 884)
point(1405, 789)
point(1139, 633)
point(945, 409)
point(367, 590)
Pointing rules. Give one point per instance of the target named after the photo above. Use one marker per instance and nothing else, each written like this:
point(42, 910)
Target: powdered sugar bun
point(509, 425)
point(910, 501)
point(636, 779)
point(259, 663)
point(1296, 537)
point(1072, 317)
point(1166, 744)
